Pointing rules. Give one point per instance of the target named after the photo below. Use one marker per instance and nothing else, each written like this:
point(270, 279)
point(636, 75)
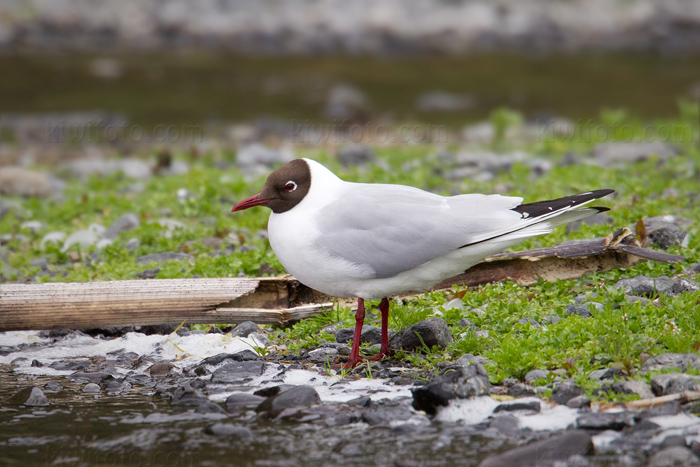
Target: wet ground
point(190, 416)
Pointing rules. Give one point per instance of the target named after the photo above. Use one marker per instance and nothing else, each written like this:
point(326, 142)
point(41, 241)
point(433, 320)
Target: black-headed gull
point(371, 241)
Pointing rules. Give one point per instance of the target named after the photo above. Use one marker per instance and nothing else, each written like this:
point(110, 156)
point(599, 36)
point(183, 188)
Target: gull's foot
point(349, 365)
point(379, 356)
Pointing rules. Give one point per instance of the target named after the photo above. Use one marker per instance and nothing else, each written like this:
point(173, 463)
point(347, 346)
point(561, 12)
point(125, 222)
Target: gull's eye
point(290, 186)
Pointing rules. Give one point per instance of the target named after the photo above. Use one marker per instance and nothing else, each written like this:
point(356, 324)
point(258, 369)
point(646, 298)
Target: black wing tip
point(600, 193)
point(598, 208)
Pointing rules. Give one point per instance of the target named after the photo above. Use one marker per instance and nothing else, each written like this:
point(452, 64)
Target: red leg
point(384, 308)
point(359, 321)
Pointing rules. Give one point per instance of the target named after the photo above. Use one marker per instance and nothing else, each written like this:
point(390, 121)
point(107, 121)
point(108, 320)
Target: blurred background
point(137, 74)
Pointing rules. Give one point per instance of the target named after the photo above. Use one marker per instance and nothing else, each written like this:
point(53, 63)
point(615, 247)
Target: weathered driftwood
point(681, 397)
point(276, 300)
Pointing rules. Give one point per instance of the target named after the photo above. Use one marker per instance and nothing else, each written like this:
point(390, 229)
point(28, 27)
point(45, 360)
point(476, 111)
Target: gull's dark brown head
point(284, 188)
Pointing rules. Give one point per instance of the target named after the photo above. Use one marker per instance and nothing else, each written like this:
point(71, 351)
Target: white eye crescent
point(290, 186)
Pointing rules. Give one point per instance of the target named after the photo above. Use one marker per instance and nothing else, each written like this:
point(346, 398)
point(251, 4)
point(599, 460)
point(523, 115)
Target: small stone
point(673, 440)
point(531, 407)
point(245, 329)
point(32, 226)
point(566, 391)
point(600, 421)
point(84, 238)
point(461, 382)
point(557, 448)
point(91, 388)
point(31, 396)
point(238, 372)
point(579, 402)
point(666, 235)
point(521, 390)
point(578, 310)
point(633, 387)
point(187, 395)
point(667, 408)
point(133, 244)
point(124, 223)
point(163, 257)
point(243, 400)
point(160, 369)
point(432, 332)
point(454, 304)
point(608, 373)
point(256, 155)
point(229, 430)
point(294, 397)
point(666, 361)
point(210, 407)
point(148, 273)
point(386, 412)
point(634, 299)
point(529, 321)
point(370, 335)
point(646, 286)
point(619, 153)
point(534, 375)
point(17, 181)
point(673, 383)
point(675, 456)
point(553, 319)
point(465, 323)
point(322, 355)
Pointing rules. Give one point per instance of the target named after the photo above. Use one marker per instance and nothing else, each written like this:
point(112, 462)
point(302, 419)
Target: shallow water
point(196, 88)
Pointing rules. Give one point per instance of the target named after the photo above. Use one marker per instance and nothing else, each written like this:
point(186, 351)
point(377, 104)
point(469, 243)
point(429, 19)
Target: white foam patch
point(682, 420)
point(180, 350)
point(11, 338)
point(602, 441)
point(558, 417)
point(470, 411)
point(473, 411)
point(335, 389)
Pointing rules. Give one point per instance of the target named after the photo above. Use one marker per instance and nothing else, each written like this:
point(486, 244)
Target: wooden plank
point(275, 300)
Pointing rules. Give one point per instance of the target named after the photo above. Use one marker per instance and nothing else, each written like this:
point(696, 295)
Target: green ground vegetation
point(623, 334)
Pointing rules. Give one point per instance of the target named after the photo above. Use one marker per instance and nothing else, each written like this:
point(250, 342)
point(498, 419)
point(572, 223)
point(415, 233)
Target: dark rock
point(229, 430)
point(634, 299)
point(505, 423)
point(633, 387)
point(579, 402)
point(37, 364)
point(209, 407)
point(385, 412)
point(242, 356)
point(578, 310)
point(666, 361)
point(668, 408)
point(673, 383)
point(682, 286)
point(646, 286)
point(322, 355)
point(148, 273)
point(31, 396)
point(534, 375)
point(566, 391)
point(157, 329)
point(163, 257)
point(675, 456)
point(432, 332)
point(597, 219)
point(644, 425)
point(245, 329)
point(160, 369)
point(600, 421)
point(608, 373)
point(556, 448)
point(529, 321)
point(370, 335)
point(521, 390)
point(294, 397)
point(356, 155)
point(53, 386)
point(362, 401)
point(273, 390)
point(673, 440)
point(91, 388)
point(530, 406)
point(124, 223)
point(460, 382)
point(187, 395)
point(243, 400)
point(88, 377)
point(238, 372)
point(666, 235)
point(465, 323)
point(112, 332)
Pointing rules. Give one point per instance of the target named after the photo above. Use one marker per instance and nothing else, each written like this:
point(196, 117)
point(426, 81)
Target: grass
point(623, 335)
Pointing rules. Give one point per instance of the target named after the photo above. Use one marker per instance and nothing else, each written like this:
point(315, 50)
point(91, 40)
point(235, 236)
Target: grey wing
point(393, 228)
